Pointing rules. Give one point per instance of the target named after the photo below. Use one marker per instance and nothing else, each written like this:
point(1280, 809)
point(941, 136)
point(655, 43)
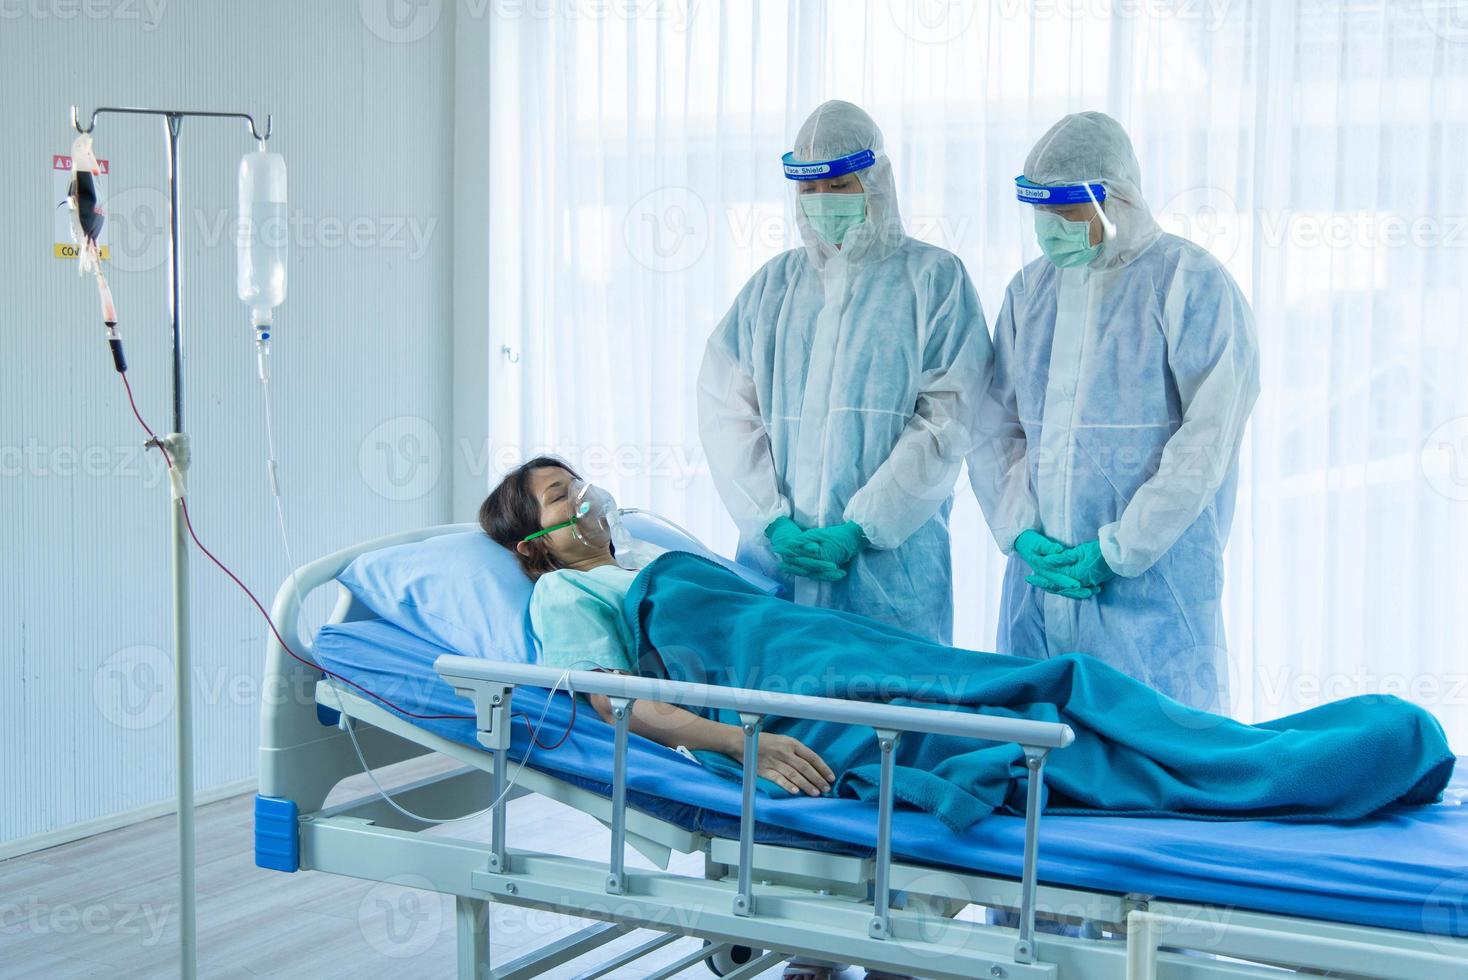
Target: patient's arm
point(578, 628)
point(782, 760)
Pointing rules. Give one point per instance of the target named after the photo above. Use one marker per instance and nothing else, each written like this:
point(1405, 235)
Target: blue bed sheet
point(1406, 868)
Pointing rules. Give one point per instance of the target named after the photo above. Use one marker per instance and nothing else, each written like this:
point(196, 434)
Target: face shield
point(1064, 224)
point(830, 194)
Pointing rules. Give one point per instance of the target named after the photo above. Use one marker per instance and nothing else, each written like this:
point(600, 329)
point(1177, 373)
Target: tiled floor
point(107, 906)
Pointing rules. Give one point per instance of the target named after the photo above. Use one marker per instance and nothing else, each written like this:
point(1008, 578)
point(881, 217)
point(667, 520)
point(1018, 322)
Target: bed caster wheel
point(730, 959)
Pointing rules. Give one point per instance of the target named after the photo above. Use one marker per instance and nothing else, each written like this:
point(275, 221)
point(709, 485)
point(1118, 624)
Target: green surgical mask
point(1066, 243)
point(833, 215)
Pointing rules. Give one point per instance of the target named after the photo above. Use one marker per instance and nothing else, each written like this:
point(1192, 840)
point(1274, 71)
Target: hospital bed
point(837, 879)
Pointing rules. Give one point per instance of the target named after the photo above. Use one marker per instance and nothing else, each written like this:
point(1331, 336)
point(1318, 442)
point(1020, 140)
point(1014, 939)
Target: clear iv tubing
point(663, 520)
point(362, 759)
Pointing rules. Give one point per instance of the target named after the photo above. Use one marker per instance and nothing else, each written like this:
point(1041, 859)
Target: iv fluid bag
point(264, 234)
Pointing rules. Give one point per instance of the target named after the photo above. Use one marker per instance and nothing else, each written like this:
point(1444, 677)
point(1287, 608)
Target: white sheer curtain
point(1317, 149)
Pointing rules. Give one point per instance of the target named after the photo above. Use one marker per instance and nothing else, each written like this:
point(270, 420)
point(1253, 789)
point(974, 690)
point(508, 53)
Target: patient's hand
point(789, 763)
point(782, 759)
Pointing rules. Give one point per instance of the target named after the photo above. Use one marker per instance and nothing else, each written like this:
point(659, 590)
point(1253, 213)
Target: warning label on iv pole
point(64, 247)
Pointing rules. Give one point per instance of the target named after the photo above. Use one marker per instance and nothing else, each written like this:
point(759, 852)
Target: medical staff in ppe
point(1125, 369)
point(835, 397)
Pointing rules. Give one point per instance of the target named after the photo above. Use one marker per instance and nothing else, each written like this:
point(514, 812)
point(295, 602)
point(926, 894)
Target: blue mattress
point(1404, 869)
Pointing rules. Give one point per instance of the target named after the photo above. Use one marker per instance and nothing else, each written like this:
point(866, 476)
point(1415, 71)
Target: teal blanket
point(1136, 752)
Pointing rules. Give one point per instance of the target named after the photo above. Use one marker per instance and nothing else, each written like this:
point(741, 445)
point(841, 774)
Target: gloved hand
point(1062, 585)
point(788, 539)
point(837, 545)
point(1052, 563)
point(1033, 547)
point(785, 537)
point(816, 568)
point(1083, 563)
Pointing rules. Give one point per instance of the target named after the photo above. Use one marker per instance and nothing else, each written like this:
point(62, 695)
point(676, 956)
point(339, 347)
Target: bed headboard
point(300, 758)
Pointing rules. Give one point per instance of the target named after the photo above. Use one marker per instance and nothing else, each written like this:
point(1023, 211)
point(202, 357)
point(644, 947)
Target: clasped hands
point(821, 553)
point(1075, 573)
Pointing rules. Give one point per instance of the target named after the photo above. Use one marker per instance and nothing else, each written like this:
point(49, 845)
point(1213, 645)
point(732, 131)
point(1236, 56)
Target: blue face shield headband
point(802, 170)
point(1058, 195)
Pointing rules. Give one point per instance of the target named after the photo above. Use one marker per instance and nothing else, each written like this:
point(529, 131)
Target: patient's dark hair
point(511, 512)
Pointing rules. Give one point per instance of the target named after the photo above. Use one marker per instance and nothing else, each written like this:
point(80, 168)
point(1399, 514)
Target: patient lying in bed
point(1135, 751)
point(576, 613)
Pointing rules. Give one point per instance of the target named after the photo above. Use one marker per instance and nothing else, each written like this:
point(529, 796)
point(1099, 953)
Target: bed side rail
point(488, 684)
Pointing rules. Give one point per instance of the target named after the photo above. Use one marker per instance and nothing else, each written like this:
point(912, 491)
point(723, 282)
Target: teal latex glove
point(1062, 585)
point(1048, 558)
point(1084, 563)
point(785, 537)
point(788, 539)
point(816, 568)
point(1035, 547)
point(837, 545)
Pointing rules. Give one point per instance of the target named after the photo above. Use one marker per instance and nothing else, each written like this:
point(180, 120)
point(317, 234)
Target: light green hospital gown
point(577, 616)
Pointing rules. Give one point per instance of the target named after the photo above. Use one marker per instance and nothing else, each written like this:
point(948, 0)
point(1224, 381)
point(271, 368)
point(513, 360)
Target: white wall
point(363, 367)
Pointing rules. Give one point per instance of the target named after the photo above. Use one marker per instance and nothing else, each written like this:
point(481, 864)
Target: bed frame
point(755, 904)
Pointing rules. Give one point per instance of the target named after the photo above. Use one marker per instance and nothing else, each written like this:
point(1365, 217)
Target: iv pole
point(176, 444)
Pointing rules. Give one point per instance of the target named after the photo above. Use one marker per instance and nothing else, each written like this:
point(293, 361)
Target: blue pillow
point(461, 591)
point(467, 594)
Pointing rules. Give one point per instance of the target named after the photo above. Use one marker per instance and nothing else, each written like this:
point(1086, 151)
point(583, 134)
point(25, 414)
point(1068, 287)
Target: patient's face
point(552, 487)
